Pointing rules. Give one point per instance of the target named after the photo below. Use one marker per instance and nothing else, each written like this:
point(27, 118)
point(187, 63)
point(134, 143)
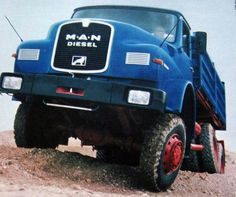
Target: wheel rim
point(221, 156)
point(222, 164)
point(216, 149)
point(173, 154)
point(218, 160)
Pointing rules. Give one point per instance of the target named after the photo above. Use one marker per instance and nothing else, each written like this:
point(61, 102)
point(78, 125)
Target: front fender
point(175, 90)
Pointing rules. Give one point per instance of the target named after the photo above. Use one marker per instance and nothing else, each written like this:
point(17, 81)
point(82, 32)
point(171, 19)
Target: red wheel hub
point(173, 154)
point(216, 149)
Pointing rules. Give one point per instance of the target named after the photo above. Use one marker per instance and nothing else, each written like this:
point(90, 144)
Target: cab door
point(184, 55)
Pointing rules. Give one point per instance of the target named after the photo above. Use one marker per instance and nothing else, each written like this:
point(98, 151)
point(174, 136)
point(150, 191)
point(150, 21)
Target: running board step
point(70, 106)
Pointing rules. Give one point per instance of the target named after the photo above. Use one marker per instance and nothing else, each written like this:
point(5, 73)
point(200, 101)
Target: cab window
point(185, 39)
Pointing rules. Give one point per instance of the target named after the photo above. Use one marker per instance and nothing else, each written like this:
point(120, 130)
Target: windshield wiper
point(169, 33)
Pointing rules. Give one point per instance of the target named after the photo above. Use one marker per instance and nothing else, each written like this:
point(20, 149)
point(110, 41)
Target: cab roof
point(178, 14)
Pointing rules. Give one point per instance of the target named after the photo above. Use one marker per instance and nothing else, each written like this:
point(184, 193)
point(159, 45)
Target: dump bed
point(210, 90)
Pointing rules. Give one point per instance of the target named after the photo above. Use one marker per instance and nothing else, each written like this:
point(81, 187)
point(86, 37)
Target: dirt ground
point(73, 171)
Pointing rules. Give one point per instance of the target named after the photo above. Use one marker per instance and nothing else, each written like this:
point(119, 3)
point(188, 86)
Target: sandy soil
point(69, 171)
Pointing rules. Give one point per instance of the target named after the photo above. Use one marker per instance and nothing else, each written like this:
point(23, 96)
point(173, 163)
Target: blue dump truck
point(133, 82)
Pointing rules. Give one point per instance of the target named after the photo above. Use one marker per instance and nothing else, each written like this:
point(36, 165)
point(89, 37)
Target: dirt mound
point(7, 138)
point(37, 172)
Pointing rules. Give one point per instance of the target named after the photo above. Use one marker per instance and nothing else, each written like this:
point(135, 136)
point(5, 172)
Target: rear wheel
point(192, 163)
point(162, 152)
point(39, 126)
point(212, 156)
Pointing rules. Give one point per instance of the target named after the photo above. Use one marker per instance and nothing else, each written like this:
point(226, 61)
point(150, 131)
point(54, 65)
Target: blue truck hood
point(128, 42)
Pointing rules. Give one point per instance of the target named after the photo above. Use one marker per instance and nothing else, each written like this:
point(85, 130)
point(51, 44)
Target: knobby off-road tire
point(209, 155)
point(192, 163)
point(162, 152)
point(38, 126)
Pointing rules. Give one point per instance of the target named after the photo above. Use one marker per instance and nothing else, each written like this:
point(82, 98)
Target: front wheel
point(162, 152)
point(39, 126)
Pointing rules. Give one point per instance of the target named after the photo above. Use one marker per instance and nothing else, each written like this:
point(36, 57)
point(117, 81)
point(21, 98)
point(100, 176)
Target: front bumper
point(96, 91)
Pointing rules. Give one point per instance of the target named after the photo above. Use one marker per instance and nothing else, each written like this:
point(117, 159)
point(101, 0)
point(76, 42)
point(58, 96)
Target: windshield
point(157, 23)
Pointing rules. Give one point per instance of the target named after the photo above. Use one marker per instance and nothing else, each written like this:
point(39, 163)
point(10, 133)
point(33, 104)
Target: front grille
point(82, 48)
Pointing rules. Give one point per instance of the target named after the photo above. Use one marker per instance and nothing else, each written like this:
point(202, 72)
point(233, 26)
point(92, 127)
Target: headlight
point(139, 97)
point(11, 82)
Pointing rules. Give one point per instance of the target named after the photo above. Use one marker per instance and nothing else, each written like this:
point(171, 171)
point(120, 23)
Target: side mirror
point(200, 43)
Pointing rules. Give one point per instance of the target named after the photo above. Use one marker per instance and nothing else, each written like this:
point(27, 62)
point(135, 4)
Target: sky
point(32, 19)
